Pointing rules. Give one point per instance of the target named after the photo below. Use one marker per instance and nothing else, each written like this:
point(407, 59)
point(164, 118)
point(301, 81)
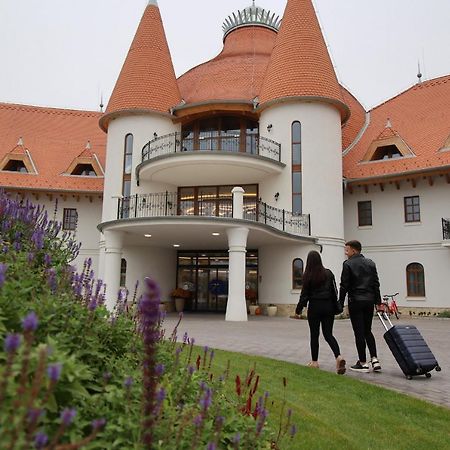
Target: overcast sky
point(63, 53)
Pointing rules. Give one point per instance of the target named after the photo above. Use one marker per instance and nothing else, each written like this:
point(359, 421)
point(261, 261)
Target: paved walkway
point(288, 340)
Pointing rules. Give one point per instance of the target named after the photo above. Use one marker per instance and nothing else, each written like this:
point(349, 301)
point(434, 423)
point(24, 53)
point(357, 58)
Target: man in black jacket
point(359, 280)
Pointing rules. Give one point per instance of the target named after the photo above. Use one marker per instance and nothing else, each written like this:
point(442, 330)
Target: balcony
point(171, 205)
point(446, 232)
point(224, 158)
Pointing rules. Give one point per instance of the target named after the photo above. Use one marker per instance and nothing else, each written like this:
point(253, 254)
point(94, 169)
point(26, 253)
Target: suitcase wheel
point(428, 375)
point(438, 368)
point(408, 377)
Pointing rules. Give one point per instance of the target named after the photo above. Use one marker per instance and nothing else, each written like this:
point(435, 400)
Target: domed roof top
point(251, 16)
point(236, 73)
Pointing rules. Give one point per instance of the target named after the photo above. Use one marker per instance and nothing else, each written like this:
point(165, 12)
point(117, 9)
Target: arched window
point(296, 143)
point(297, 273)
point(128, 154)
point(126, 177)
point(123, 272)
point(415, 280)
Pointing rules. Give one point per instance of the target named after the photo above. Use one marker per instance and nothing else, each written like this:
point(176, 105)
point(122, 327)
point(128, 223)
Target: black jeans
point(321, 315)
point(361, 315)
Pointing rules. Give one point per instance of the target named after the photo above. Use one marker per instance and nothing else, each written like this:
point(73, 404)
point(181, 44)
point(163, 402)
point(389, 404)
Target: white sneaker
point(376, 366)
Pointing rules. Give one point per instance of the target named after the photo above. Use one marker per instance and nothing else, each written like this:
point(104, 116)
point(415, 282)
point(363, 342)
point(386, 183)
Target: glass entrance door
point(205, 276)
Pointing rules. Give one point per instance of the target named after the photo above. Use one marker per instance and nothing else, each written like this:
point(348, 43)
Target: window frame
point(415, 287)
point(410, 215)
point(295, 284)
point(70, 222)
point(365, 214)
point(297, 191)
point(123, 273)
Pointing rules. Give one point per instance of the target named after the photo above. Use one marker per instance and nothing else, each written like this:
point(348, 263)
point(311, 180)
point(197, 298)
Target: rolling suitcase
point(409, 348)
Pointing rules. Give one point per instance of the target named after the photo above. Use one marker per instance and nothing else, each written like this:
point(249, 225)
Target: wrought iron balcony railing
point(169, 204)
point(230, 143)
point(446, 229)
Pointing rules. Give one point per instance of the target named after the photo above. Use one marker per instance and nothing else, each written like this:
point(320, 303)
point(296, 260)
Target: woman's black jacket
point(325, 291)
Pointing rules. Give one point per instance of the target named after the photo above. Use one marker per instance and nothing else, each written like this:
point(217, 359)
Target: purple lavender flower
point(237, 439)
point(34, 414)
point(5, 249)
point(211, 446)
point(54, 372)
point(51, 279)
point(92, 304)
point(185, 337)
point(191, 370)
point(198, 420)
point(220, 420)
point(17, 246)
point(3, 269)
point(40, 440)
point(293, 430)
point(47, 260)
point(30, 322)
point(159, 370)
point(128, 382)
point(160, 395)
point(12, 343)
point(68, 415)
point(30, 257)
point(206, 400)
point(38, 238)
point(98, 423)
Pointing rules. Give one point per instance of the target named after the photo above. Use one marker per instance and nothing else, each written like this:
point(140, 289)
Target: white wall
point(393, 244)
point(89, 214)
point(275, 272)
point(142, 127)
point(321, 163)
point(160, 264)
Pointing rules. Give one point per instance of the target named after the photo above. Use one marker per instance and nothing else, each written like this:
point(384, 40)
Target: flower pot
point(252, 309)
point(179, 304)
point(272, 311)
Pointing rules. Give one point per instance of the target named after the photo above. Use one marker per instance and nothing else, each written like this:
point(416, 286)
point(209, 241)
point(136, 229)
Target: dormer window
point(387, 146)
point(86, 170)
point(15, 165)
point(386, 152)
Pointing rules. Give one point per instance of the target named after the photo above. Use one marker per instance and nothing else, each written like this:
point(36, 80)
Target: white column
point(236, 306)
point(238, 202)
point(101, 257)
point(112, 259)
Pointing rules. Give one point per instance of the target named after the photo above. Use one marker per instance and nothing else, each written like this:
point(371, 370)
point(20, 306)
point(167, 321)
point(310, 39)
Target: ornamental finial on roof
point(251, 16)
point(88, 145)
point(20, 142)
point(388, 123)
point(153, 2)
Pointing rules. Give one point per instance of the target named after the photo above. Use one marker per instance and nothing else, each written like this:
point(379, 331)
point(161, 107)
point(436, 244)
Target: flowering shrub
point(73, 375)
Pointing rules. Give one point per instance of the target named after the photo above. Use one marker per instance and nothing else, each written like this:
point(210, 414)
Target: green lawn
point(337, 412)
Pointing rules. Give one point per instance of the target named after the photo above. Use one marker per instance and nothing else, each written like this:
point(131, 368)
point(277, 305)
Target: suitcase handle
point(383, 319)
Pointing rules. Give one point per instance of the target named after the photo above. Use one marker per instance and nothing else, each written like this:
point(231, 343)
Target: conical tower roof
point(147, 80)
point(300, 65)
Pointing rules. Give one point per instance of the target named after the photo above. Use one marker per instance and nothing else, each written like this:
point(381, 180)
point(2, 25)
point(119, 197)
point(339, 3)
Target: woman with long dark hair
point(319, 293)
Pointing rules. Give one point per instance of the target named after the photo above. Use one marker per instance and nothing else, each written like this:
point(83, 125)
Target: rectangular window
point(70, 219)
point(365, 213)
point(412, 209)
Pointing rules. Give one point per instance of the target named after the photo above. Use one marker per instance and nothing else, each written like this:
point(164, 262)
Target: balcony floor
point(196, 232)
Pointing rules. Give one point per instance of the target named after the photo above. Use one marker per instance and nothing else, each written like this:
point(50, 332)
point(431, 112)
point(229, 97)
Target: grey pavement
point(287, 339)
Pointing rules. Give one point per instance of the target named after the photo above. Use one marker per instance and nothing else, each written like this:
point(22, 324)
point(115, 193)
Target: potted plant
point(251, 299)
point(272, 310)
point(180, 295)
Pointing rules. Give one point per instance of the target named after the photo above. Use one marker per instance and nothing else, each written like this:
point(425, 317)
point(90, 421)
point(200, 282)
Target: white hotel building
point(222, 181)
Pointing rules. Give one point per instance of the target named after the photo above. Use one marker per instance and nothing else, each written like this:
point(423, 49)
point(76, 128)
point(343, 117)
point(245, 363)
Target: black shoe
point(360, 367)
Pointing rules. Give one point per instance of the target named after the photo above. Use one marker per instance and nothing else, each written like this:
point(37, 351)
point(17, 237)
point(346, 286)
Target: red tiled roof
point(421, 116)
point(54, 137)
point(147, 80)
point(355, 123)
point(236, 73)
point(300, 64)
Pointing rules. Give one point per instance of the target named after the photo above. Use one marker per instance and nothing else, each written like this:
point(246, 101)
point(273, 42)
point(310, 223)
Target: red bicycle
point(390, 305)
